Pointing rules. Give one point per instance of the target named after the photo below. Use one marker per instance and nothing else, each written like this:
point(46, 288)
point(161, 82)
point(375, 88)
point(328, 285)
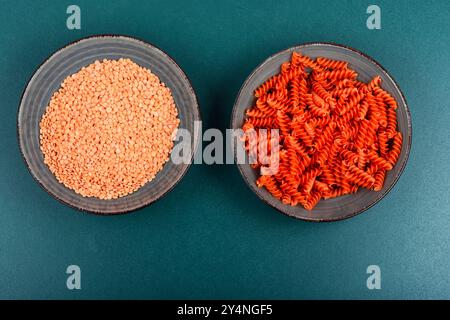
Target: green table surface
point(211, 237)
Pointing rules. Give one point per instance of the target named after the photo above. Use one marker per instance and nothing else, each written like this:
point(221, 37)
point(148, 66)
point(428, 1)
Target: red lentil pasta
point(336, 133)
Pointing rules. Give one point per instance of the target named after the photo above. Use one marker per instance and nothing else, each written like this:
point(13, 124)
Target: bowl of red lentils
point(99, 123)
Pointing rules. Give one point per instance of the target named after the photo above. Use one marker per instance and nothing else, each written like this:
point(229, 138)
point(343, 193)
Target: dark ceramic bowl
point(70, 59)
point(345, 206)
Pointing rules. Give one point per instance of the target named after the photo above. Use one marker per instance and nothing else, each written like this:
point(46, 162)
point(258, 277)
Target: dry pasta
point(336, 133)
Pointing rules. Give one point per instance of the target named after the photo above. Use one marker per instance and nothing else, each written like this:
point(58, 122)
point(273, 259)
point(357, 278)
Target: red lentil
point(109, 129)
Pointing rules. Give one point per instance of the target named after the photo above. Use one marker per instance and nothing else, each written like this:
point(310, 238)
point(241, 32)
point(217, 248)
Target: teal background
point(211, 237)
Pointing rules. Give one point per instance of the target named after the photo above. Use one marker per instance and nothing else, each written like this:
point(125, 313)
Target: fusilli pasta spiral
point(336, 134)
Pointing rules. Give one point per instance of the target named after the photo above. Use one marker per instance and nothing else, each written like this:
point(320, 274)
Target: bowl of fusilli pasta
point(326, 131)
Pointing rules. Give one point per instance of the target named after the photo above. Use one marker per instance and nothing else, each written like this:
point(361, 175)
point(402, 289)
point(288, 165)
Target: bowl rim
point(74, 43)
point(407, 145)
